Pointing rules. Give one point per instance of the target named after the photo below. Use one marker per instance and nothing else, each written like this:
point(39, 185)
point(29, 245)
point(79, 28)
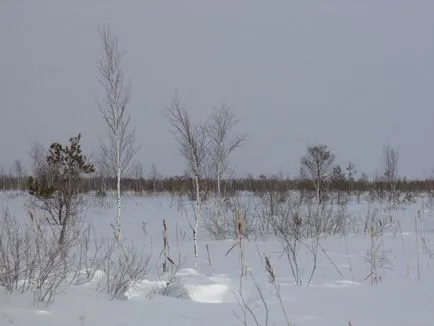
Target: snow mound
point(188, 284)
point(343, 283)
point(201, 288)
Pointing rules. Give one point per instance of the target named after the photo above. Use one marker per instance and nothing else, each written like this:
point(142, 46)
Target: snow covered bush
point(123, 266)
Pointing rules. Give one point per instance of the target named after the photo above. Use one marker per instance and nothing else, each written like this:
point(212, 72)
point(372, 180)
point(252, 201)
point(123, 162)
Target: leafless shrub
point(54, 260)
point(272, 204)
point(88, 257)
point(376, 256)
point(32, 258)
point(288, 226)
point(324, 219)
point(16, 254)
point(52, 268)
point(221, 223)
point(124, 265)
point(300, 226)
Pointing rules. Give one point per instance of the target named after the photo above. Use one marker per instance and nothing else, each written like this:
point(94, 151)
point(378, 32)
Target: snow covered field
point(340, 290)
point(297, 66)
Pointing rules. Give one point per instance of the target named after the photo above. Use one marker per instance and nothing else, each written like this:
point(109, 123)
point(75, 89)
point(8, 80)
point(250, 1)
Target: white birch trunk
point(218, 182)
point(219, 199)
point(196, 227)
point(118, 175)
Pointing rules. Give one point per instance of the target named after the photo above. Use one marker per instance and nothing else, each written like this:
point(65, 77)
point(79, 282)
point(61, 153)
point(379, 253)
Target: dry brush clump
point(33, 260)
point(377, 255)
point(299, 223)
point(123, 266)
point(220, 218)
point(168, 275)
point(32, 257)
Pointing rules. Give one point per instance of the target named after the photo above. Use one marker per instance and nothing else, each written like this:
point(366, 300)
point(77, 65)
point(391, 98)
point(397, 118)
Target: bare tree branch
point(223, 122)
point(192, 141)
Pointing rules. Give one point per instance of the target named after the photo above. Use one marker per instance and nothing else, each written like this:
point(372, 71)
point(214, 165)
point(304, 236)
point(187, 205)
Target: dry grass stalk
point(209, 257)
point(272, 279)
point(165, 246)
point(240, 236)
point(270, 271)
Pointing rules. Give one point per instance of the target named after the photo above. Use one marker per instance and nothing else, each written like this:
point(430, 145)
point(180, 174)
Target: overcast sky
point(352, 74)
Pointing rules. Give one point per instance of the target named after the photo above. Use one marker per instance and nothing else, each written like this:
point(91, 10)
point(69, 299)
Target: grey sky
point(350, 74)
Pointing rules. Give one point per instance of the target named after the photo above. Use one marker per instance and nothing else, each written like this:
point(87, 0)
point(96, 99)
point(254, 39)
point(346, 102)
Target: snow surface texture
point(209, 296)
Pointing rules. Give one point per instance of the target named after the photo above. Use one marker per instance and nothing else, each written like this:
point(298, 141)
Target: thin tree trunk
point(218, 182)
point(197, 216)
point(118, 165)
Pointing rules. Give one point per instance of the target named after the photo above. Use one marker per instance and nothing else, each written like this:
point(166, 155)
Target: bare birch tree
point(19, 173)
point(37, 155)
point(390, 174)
point(222, 144)
point(192, 141)
point(120, 148)
point(390, 167)
point(318, 165)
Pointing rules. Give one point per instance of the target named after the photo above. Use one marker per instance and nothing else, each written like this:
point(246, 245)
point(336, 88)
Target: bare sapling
point(390, 174)
point(119, 150)
point(192, 140)
point(221, 145)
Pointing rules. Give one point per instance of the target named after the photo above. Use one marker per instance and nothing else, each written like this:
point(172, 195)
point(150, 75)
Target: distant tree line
point(185, 185)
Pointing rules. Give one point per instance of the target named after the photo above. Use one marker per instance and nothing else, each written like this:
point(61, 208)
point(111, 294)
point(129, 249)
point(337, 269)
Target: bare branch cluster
point(120, 149)
point(191, 137)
